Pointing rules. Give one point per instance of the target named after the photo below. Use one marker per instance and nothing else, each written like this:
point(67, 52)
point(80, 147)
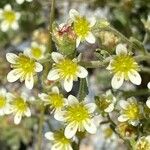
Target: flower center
point(81, 27)
point(132, 111)
point(19, 104)
point(124, 64)
point(67, 68)
point(56, 100)
point(77, 113)
point(2, 101)
point(36, 52)
point(25, 64)
point(9, 16)
point(59, 137)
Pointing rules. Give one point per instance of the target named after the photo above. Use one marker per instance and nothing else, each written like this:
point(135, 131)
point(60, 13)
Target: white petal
point(91, 107)
point(3, 92)
point(7, 7)
point(8, 109)
point(73, 14)
point(29, 82)
point(135, 77)
point(57, 146)
point(55, 89)
point(43, 96)
point(19, 1)
point(110, 108)
point(117, 81)
point(90, 38)
point(38, 67)
point(122, 118)
point(17, 15)
point(4, 26)
point(148, 103)
point(72, 100)
point(49, 136)
point(13, 75)
point(11, 57)
point(71, 130)
point(134, 123)
point(78, 40)
point(89, 126)
point(92, 21)
point(60, 115)
point(28, 112)
point(53, 75)
point(148, 85)
point(57, 56)
point(15, 26)
point(124, 104)
point(121, 48)
point(68, 83)
point(82, 72)
point(17, 118)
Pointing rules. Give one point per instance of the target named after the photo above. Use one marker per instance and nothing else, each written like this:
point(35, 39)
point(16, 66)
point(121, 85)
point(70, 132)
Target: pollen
point(77, 113)
point(25, 64)
point(132, 111)
point(81, 26)
point(36, 52)
point(9, 16)
point(56, 100)
point(19, 104)
point(2, 101)
point(67, 68)
point(124, 64)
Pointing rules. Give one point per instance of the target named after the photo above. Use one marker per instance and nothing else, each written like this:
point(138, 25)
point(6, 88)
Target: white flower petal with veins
point(73, 14)
point(55, 89)
point(122, 118)
point(13, 75)
point(72, 100)
point(121, 49)
point(68, 84)
point(57, 57)
point(17, 118)
point(11, 57)
point(29, 82)
point(89, 126)
point(53, 75)
point(82, 72)
point(71, 130)
point(91, 107)
point(90, 38)
point(38, 67)
point(117, 81)
point(135, 77)
point(124, 104)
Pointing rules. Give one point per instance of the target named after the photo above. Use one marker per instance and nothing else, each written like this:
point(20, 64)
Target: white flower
point(77, 116)
point(124, 67)
point(5, 107)
point(55, 99)
point(106, 102)
point(22, 1)
point(143, 143)
point(131, 111)
point(82, 27)
point(24, 68)
point(9, 18)
point(66, 70)
point(60, 142)
point(19, 106)
point(36, 51)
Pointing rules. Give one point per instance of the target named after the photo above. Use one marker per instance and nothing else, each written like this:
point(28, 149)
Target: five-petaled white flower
point(82, 27)
point(77, 116)
point(55, 99)
point(22, 1)
point(5, 107)
point(106, 102)
point(66, 70)
point(36, 51)
point(9, 18)
point(131, 111)
point(143, 143)
point(124, 67)
point(24, 68)
point(19, 107)
point(60, 142)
